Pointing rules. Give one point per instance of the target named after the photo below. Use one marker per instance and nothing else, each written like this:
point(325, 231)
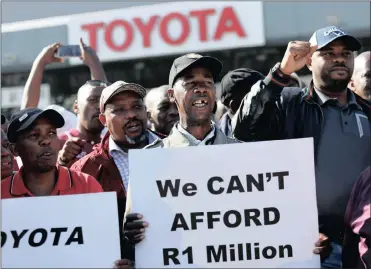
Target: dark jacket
point(272, 112)
point(102, 167)
point(357, 239)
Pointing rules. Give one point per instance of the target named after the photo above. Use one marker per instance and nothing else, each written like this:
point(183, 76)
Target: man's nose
point(45, 141)
point(200, 89)
point(339, 58)
point(131, 114)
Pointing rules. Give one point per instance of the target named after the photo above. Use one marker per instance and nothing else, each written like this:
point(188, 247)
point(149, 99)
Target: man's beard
point(334, 85)
point(136, 140)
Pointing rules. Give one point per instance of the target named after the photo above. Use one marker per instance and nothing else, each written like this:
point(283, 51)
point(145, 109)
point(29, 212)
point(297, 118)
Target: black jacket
point(272, 112)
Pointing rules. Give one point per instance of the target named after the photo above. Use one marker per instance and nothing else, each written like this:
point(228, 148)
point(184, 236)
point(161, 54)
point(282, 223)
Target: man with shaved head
point(361, 79)
point(76, 143)
point(162, 114)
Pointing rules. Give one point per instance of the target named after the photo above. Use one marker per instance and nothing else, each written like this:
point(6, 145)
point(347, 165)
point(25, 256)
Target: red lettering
point(164, 28)
point(201, 15)
point(128, 35)
point(228, 23)
point(92, 30)
point(146, 29)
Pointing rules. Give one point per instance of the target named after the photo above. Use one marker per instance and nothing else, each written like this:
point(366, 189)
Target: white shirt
point(194, 139)
point(121, 158)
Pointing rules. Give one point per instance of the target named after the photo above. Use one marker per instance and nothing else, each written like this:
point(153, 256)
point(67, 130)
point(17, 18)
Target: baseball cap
point(118, 87)
point(237, 83)
point(3, 119)
point(325, 36)
point(23, 119)
point(190, 60)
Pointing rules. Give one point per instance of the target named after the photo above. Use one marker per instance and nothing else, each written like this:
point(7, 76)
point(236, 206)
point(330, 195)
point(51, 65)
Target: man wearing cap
point(234, 86)
point(191, 80)
point(193, 90)
point(124, 114)
point(162, 114)
point(33, 136)
point(337, 119)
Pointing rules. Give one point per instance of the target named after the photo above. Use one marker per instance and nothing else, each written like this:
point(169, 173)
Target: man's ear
point(149, 117)
point(170, 93)
point(102, 119)
point(13, 149)
point(309, 63)
point(75, 107)
point(351, 85)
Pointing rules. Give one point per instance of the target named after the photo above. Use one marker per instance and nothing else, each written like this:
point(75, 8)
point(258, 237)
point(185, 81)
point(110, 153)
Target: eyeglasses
point(97, 83)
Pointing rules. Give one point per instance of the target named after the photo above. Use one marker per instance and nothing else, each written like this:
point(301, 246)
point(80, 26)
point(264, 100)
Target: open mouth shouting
point(200, 103)
point(133, 127)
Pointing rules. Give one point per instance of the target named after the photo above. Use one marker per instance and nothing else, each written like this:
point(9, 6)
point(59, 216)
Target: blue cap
point(325, 36)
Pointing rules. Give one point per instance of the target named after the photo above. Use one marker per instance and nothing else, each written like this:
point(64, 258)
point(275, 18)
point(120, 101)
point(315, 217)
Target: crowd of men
point(335, 109)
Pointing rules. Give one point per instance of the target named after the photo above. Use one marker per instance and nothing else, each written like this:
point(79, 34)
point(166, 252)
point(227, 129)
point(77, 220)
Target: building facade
point(137, 42)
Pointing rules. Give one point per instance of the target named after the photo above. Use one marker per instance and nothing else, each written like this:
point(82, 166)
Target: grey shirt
point(344, 152)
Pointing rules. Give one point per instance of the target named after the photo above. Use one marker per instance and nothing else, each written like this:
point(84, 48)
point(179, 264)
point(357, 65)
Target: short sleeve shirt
point(68, 182)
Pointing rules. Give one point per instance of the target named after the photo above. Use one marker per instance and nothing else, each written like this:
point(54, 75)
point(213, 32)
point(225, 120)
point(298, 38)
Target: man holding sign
point(192, 80)
point(33, 134)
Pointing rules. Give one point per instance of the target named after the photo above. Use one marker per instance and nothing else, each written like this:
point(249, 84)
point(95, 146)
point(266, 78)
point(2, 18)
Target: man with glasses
point(78, 142)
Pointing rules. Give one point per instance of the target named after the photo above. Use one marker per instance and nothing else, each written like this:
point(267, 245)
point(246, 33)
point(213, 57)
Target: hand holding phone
point(68, 51)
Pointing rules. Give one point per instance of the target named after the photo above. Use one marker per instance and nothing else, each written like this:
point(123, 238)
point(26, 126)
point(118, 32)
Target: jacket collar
point(177, 139)
point(310, 95)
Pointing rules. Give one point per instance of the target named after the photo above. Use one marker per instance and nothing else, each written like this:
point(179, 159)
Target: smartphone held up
point(68, 51)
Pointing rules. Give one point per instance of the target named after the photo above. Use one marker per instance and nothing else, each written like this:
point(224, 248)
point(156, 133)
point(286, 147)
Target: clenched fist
point(70, 150)
point(296, 56)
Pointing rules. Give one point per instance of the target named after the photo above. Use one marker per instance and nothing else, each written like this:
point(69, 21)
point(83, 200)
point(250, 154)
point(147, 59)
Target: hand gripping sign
point(248, 205)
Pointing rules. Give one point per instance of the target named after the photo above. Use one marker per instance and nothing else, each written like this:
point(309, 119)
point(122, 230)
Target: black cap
point(23, 119)
point(3, 119)
point(237, 83)
point(190, 60)
point(325, 36)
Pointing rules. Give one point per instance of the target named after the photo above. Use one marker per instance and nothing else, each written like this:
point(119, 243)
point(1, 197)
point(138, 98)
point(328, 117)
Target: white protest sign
point(239, 205)
point(70, 231)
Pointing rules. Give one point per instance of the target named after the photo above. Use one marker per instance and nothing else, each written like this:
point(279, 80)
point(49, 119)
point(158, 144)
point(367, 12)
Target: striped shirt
point(121, 158)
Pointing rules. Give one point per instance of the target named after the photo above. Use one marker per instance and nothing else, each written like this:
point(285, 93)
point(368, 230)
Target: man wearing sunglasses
point(78, 142)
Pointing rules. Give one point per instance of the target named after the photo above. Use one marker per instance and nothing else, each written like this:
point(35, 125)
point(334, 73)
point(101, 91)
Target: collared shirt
point(325, 99)
point(193, 139)
point(121, 158)
point(68, 182)
point(343, 153)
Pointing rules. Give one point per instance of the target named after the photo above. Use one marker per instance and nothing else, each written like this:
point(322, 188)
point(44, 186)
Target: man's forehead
point(87, 91)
